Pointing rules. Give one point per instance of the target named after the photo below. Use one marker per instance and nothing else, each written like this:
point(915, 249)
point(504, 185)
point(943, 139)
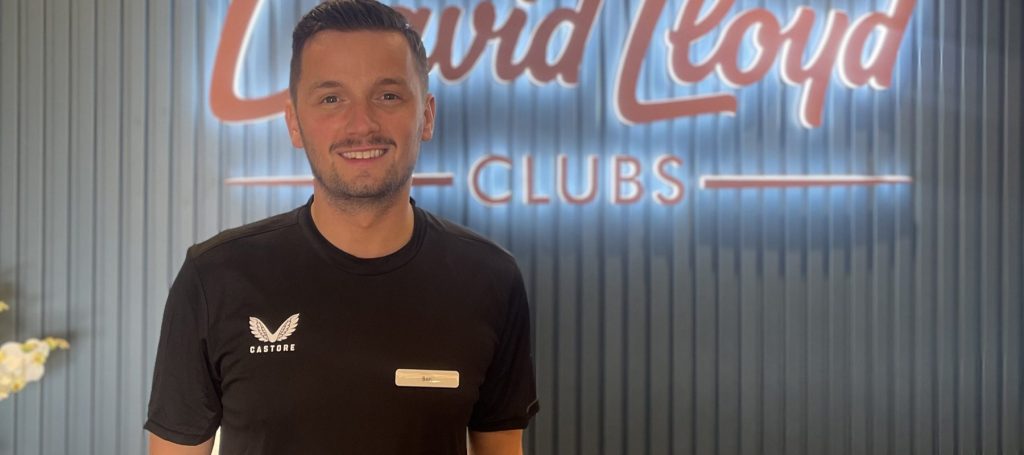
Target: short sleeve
point(184, 405)
point(508, 396)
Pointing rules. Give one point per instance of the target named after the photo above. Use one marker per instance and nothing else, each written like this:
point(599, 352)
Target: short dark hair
point(348, 16)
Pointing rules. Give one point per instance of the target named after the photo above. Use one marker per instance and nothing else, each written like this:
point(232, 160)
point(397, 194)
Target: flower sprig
point(22, 363)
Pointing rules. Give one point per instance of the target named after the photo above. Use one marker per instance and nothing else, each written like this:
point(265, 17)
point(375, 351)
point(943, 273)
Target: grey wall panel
point(55, 230)
point(81, 368)
point(800, 321)
point(8, 178)
point(30, 209)
point(110, 227)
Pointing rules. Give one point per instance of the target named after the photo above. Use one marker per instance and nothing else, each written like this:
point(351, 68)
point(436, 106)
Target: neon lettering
point(842, 48)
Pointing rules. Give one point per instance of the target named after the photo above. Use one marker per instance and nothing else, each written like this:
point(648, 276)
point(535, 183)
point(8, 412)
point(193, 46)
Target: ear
point(292, 119)
point(428, 118)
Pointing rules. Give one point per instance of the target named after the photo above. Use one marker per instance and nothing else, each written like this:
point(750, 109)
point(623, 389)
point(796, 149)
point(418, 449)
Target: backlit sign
point(861, 51)
point(705, 41)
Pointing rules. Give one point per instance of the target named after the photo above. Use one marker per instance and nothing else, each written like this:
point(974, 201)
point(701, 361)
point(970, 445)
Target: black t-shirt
point(291, 346)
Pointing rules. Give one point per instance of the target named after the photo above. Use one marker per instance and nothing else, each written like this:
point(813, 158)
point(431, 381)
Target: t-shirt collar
point(357, 265)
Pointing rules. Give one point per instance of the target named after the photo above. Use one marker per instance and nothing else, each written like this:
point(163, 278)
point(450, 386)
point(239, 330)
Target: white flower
point(56, 343)
point(11, 357)
point(18, 384)
point(34, 371)
point(21, 363)
point(35, 346)
point(6, 384)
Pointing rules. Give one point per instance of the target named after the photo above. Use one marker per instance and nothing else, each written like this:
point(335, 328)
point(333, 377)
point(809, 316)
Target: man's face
point(360, 113)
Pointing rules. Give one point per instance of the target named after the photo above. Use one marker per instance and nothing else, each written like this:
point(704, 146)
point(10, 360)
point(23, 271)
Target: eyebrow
point(391, 81)
point(335, 84)
point(325, 84)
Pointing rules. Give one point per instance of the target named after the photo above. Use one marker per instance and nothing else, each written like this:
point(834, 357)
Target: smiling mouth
point(363, 154)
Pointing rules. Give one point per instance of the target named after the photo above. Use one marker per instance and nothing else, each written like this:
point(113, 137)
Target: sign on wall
point(809, 50)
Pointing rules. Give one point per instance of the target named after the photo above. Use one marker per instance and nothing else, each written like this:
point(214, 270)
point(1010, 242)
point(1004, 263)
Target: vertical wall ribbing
point(882, 320)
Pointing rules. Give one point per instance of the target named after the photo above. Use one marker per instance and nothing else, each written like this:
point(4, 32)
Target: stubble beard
point(352, 195)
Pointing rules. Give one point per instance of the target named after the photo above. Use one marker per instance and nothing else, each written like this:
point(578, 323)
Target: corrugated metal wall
point(884, 320)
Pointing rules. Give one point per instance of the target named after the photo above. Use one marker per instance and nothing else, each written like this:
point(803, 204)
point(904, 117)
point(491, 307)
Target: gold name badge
point(442, 379)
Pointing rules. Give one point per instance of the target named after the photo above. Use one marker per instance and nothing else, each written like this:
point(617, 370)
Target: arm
point(184, 404)
point(160, 446)
point(506, 442)
point(508, 396)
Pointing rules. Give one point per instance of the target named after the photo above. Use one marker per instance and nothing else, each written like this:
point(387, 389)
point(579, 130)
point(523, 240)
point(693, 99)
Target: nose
point(361, 119)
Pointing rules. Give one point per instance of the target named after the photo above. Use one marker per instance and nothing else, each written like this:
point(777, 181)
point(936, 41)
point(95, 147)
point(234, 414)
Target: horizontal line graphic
point(421, 179)
point(712, 182)
point(718, 182)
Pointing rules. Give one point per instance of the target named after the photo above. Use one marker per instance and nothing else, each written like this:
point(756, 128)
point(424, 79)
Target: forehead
point(369, 54)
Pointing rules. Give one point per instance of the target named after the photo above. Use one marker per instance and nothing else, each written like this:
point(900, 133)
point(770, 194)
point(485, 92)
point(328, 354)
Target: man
point(358, 323)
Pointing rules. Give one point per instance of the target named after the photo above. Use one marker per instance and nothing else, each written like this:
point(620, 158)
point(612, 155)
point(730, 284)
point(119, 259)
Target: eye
point(390, 97)
point(329, 99)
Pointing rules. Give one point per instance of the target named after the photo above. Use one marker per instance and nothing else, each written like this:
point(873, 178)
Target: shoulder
point(465, 246)
point(264, 231)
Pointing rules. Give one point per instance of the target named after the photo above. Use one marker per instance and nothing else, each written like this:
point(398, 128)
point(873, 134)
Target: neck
point(364, 230)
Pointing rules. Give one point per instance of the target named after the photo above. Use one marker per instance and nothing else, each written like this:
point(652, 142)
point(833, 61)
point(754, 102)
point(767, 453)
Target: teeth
point(364, 155)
